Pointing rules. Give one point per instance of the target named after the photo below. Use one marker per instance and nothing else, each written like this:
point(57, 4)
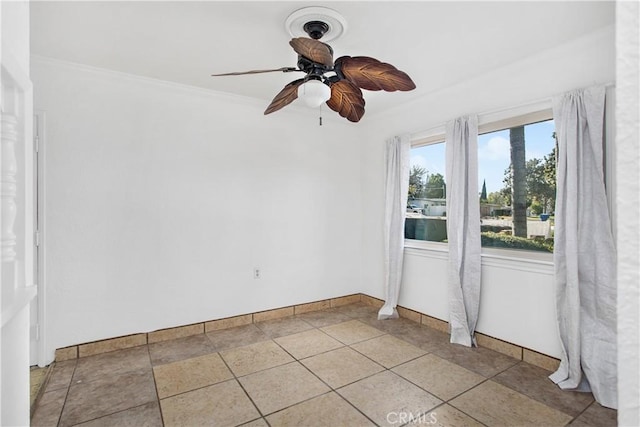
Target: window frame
point(436, 138)
point(490, 122)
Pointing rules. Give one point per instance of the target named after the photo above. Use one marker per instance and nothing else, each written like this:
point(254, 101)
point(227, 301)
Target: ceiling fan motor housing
point(312, 68)
point(316, 29)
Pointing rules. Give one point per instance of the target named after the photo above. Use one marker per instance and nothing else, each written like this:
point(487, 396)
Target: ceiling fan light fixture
point(314, 93)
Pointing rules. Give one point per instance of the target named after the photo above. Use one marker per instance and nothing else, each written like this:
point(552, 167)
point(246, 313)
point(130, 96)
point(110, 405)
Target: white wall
point(146, 221)
point(517, 304)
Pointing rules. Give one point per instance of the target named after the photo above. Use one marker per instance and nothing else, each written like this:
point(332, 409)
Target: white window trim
point(504, 119)
point(490, 122)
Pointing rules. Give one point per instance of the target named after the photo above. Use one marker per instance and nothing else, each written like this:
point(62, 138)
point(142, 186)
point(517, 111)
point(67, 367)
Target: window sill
point(425, 245)
point(489, 255)
point(543, 258)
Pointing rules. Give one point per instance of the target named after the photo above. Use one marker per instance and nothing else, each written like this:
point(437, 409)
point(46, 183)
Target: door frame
point(39, 337)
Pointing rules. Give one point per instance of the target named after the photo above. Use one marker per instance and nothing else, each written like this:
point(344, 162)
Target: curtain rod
point(543, 104)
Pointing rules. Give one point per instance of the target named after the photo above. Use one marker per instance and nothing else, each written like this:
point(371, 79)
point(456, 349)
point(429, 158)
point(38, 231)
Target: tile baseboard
point(118, 343)
point(513, 350)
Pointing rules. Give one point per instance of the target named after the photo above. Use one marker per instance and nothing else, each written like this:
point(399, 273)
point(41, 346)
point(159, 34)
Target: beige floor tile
point(392, 326)
point(282, 386)
point(190, 374)
point(477, 359)
point(445, 416)
point(422, 336)
point(36, 373)
point(386, 397)
point(260, 422)
point(281, 327)
point(342, 366)
point(324, 317)
point(37, 379)
point(344, 348)
point(533, 382)
point(352, 332)
point(359, 310)
point(61, 374)
point(222, 404)
point(596, 415)
point(107, 395)
point(255, 357)
point(48, 409)
point(438, 376)
point(308, 343)
point(112, 363)
point(388, 351)
point(496, 405)
point(147, 415)
point(326, 410)
point(238, 336)
point(179, 349)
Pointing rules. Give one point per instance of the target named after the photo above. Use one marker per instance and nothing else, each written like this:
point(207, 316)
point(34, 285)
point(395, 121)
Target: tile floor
point(37, 378)
point(337, 367)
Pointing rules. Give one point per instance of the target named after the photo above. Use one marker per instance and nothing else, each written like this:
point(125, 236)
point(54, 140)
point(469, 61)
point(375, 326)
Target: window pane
point(426, 206)
point(517, 178)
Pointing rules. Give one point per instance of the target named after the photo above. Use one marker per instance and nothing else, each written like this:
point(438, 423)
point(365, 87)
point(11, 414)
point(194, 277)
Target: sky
point(493, 153)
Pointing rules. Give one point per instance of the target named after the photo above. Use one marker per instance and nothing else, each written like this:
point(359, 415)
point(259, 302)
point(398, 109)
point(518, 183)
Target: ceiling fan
point(339, 82)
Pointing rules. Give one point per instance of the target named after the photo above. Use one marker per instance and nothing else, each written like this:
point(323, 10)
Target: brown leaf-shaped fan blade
point(286, 96)
point(313, 50)
point(239, 73)
point(346, 99)
point(371, 74)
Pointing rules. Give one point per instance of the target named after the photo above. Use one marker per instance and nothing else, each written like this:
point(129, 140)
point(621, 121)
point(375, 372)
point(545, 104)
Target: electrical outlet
point(256, 273)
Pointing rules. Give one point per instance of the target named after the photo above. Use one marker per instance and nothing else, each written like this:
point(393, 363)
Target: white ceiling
point(437, 43)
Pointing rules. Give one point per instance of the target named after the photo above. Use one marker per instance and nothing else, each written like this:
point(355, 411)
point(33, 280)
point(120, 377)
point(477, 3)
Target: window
point(517, 179)
point(519, 216)
point(427, 206)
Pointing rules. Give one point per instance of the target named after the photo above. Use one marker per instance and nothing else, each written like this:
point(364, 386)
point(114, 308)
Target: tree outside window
point(517, 173)
point(517, 212)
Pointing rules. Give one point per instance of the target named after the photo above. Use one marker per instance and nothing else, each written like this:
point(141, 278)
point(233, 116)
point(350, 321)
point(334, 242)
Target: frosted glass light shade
point(314, 93)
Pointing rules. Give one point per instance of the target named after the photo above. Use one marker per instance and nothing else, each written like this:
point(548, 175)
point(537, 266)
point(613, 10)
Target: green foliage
point(483, 193)
point(498, 240)
point(497, 198)
point(425, 186)
point(436, 187)
point(494, 228)
point(536, 207)
point(416, 182)
point(540, 182)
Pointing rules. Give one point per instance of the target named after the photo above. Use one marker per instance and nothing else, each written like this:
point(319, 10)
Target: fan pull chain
point(320, 112)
